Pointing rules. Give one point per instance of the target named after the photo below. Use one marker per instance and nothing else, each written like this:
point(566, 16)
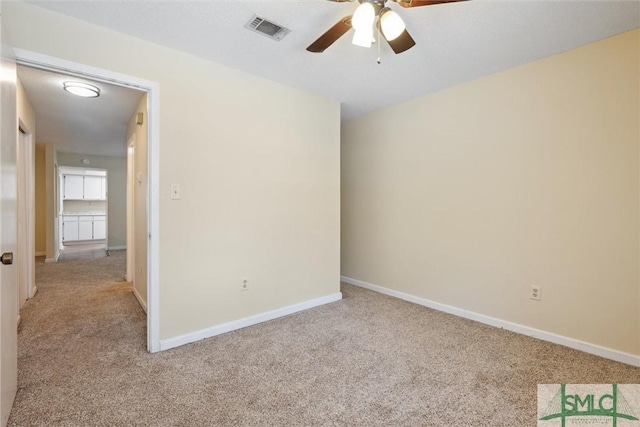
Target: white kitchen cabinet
point(93, 187)
point(85, 187)
point(99, 227)
point(73, 187)
point(85, 227)
point(69, 228)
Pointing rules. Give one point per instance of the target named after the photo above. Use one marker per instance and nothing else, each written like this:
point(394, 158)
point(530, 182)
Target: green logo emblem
point(588, 404)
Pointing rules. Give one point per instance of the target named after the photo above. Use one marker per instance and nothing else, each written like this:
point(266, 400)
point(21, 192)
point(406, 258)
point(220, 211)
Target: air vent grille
point(267, 28)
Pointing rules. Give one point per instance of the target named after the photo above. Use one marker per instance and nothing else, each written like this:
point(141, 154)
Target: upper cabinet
point(73, 187)
point(93, 187)
point(84, 187)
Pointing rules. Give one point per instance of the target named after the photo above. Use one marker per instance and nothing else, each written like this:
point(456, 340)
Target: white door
point(8, 237)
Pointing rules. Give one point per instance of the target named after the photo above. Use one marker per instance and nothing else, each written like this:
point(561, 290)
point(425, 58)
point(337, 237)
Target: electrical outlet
point(535, 293)
point(245, 285)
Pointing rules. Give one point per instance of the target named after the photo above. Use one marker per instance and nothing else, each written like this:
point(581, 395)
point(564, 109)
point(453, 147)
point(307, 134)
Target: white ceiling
point(455, 43)
point(74, 124)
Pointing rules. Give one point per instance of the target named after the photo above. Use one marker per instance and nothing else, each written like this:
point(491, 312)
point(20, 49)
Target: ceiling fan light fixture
point(391, 24)
point(363, 37)
point(362, 21)
point(81, 89)
point(364, 16)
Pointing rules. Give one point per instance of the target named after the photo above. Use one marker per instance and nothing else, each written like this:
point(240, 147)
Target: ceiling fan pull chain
point(379, 43)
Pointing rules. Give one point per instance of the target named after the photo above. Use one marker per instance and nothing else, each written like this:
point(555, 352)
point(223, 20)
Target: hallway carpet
point(364, 361)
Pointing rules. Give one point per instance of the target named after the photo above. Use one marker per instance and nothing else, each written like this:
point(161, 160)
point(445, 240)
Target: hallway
point(83, 321)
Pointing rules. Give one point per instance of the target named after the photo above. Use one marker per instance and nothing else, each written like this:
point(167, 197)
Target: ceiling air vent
point(266, 28)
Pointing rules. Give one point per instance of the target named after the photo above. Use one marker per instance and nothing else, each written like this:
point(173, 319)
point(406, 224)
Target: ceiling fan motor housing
point(377, 4)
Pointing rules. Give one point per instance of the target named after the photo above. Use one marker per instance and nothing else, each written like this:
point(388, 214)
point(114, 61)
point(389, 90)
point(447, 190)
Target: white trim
point(54, 259)
point(40, 254)
point(19, 320)
point(140, 300)
point(607, 353)
point(25, 163)
point(50, 63)
point(130, 217)
point(34, 291)
point(116, 248)
point(46, 62)
point(153, 218)
point(247, 321)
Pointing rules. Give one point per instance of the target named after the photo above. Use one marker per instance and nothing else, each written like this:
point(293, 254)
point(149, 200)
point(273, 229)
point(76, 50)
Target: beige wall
point(116, 168)
point(140, 144)
point(469, 196)
point(259, 201)
point(41, 200)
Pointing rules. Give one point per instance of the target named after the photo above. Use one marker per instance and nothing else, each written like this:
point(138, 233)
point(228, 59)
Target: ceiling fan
point(363, 21)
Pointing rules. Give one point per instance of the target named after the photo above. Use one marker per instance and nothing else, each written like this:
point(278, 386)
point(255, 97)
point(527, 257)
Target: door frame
point(50, 63)
point(131, 253)
point(25, 258)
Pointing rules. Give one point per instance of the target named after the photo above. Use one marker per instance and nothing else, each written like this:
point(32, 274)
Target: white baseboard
point(34, 291)
point(49, 260)
point(143, 303)
point(607, 353)
point(19, 320)
point(247, 321)
point(116, 248)
point(40, 254)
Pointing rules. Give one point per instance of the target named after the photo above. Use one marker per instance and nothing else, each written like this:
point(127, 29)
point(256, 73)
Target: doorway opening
point(147, 179)
point(83, 215)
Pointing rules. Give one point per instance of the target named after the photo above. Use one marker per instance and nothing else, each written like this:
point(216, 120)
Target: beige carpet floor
point(364, 361)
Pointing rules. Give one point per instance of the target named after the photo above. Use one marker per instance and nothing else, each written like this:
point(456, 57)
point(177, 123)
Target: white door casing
point(130, 208)
point(25, 258)
point(46, 62)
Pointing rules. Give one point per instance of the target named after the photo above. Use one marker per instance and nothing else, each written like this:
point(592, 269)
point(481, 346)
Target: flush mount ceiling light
point(364, 22)
point(81, 89)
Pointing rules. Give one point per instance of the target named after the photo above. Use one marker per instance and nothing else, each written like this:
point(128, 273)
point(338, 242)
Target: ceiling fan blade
point(333, 34)
point(401, 43)
point(416, 3)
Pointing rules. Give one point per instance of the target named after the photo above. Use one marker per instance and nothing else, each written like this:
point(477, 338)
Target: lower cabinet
point(69, 228)
point(84, 227)
point(99, 227)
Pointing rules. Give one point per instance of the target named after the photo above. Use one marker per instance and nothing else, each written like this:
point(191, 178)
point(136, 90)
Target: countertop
point(83, 213)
